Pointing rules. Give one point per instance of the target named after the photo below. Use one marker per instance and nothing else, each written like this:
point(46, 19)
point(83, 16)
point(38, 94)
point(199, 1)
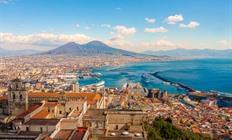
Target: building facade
point(17, 97)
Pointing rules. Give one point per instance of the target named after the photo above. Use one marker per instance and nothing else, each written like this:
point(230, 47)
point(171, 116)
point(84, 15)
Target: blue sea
point(200, 74)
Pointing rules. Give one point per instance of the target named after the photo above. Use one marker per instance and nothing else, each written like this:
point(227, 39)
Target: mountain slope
point(91, 48)
point(196, 53)
point(69, 48)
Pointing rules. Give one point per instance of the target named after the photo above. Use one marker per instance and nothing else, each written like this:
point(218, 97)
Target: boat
point(96, 74)
point(166, 83)
point(146, 77)
point(99, 84)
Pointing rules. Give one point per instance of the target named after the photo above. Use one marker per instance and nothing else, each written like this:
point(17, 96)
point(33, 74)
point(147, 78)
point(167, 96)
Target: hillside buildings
point(65, 115)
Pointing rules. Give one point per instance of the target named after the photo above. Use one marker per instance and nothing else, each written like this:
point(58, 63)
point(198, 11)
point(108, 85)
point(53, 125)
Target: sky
point(134, 25)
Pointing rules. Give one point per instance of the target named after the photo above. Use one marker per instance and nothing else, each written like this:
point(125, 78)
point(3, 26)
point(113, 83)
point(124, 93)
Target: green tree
point(161, 129)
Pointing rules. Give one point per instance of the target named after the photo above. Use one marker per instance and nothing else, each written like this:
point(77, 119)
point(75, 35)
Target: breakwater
point(175, 84)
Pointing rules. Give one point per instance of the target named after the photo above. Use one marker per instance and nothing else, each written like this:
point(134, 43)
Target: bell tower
point(17, 97)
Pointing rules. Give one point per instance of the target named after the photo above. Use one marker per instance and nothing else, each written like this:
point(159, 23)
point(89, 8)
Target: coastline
point(128, 65)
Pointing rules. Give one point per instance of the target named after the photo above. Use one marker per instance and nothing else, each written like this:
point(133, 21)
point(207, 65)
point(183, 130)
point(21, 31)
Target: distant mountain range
point(5, 52)
point(194, 53)
point(75, 49)
point(99, 48)
point(91, 48)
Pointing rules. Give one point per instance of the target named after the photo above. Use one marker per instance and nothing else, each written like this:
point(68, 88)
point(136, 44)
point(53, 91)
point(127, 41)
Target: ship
point(166, 83)
point(99, 84)
point(96, 74)
point(146, 78)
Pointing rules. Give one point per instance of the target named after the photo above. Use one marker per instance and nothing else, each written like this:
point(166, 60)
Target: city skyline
point(130, 25)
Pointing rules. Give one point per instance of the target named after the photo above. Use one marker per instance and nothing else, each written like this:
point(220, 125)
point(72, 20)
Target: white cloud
point(167, 44)
point(77, 25)
point(174, 19)
point(164, 43)
point(124, 31)
point(121, 44)
point(140, 46)
point(191, 25)
point(33, 38)
point(156, 30)
point(161, 44)
point(41, 39)
point(119, 37)
point(106, 25)
point(150, 20)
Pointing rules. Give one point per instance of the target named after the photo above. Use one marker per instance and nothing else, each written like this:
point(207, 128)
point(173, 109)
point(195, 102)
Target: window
point(70, 109)
point(20, 97)
point(116, 127)
point(60, 112)
point(49, 110)
point(13, 96)
point(41, 129)
point(27, 128)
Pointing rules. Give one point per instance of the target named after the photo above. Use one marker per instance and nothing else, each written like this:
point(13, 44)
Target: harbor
point(222, 99)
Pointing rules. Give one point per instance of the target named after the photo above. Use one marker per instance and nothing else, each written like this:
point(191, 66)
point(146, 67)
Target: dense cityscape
point(43, 100)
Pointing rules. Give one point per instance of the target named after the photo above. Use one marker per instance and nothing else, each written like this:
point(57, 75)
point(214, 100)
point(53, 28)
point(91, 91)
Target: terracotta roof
point(89, 96)
point(3, 98)
point(50, 104)
point(92, 102)
point(31, 109)
point(79, 133)
point(63, 134)
point(41, 115)
point(42, 122)
point(43, 94)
